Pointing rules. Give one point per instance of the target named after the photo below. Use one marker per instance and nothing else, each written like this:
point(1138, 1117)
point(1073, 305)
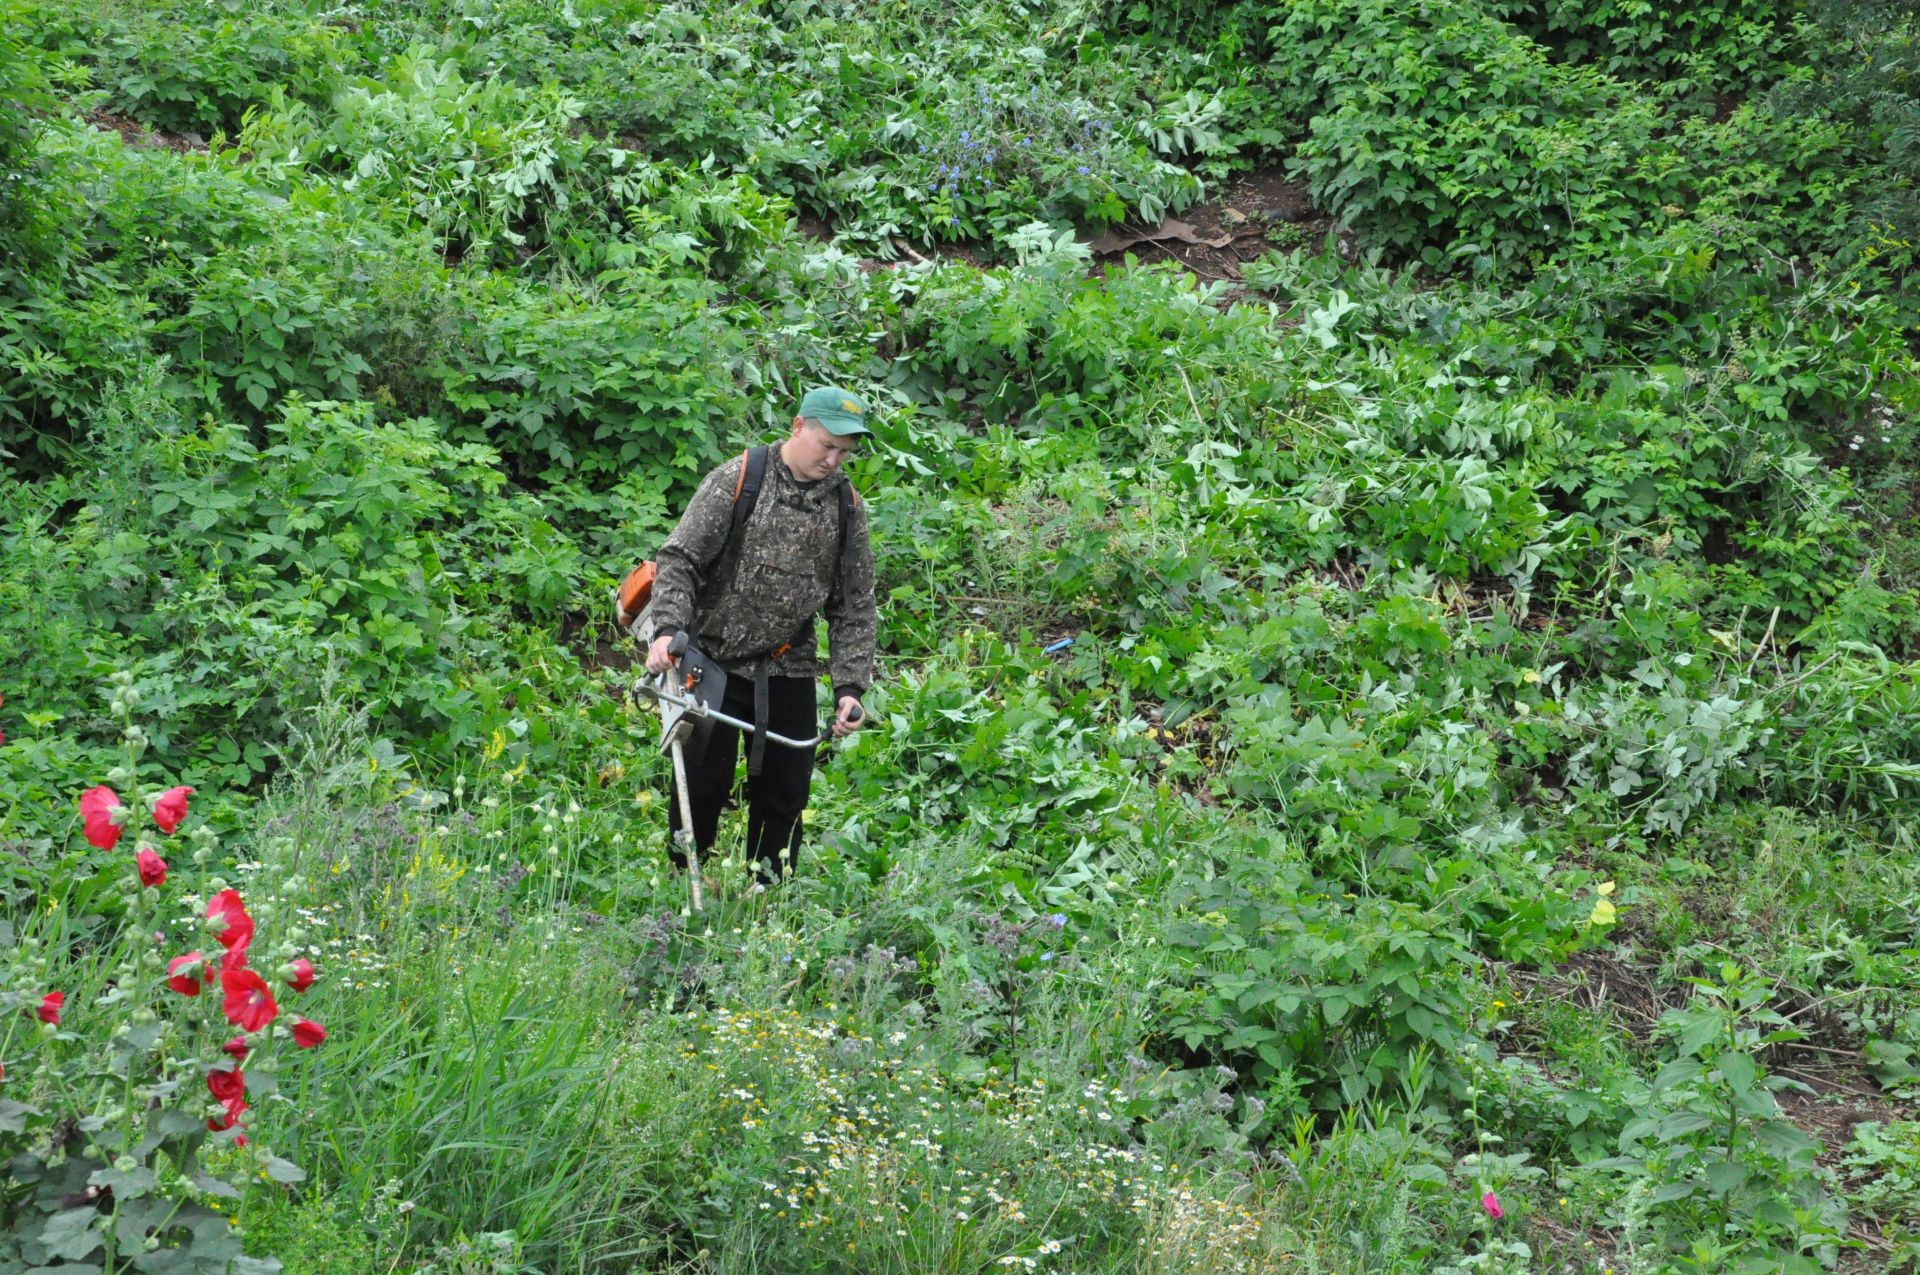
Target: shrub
point(1439, 121)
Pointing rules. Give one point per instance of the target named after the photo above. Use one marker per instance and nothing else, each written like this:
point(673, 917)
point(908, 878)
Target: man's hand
point(658, 660)
point(848, 719)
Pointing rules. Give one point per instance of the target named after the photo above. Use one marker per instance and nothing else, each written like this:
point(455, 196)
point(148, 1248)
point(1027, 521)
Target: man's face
point(812, 453)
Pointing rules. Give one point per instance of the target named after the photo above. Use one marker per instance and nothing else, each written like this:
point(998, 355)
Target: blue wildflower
point(1084, 170)
point(963, 134)
point(1058, 920)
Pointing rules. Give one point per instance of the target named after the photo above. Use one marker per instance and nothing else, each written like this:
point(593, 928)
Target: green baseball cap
point(837, 411)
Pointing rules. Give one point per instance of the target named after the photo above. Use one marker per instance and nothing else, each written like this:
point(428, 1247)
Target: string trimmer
point(688, 694)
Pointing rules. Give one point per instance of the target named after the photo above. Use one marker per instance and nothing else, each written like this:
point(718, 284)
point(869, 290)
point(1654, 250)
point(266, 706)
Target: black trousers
point(777, 796)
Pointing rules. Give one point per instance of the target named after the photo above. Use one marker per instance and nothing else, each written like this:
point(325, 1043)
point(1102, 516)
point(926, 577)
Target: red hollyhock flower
point(302, 977)
point(96, 813)
point(234, 1109)
point(234, 958)
point(227, 1087)
point(153, 869)
point(236, 1049)
point(50, 1004)
point(170, 809)
point(187, 984)
point(249, 1001)
point(239, 926)
point(307, 1033)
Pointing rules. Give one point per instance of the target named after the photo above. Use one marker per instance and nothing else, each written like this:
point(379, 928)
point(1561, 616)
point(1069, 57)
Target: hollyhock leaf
point(97, 808)
point(249, 1001)
point(215, 1187)
point(307, 1033)
point(13, 1115)
point(284, 1171)
point(50, 1005)
point(170, 808)
point(153, 869)
point(69, 1234)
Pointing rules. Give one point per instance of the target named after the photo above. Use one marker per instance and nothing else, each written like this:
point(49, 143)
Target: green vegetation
point(1471, 830)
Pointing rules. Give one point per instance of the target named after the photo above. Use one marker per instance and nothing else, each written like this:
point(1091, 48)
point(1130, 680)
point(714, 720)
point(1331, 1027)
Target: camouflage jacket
point(784, 576)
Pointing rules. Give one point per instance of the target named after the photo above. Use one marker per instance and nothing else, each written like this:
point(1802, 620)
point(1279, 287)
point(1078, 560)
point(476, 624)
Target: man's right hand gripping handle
point(666, 648)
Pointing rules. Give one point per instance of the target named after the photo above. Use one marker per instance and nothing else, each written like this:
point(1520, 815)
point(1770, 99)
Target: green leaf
point(1726, 1176)
point(13, 1115)
point(1700, 1030)
point(1739, 1071)
point(1682, 1123)
point(1674, 1191)
point(284, 1171)
point(218, 1188)
point(1785, 1140)
point(126, 1184)
point(70, 1234)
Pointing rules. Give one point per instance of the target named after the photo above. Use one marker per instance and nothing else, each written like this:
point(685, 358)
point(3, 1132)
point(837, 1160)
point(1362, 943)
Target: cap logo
point(848, 405)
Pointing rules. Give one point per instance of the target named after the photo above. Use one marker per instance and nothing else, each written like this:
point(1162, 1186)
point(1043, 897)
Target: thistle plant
point(124, 1085)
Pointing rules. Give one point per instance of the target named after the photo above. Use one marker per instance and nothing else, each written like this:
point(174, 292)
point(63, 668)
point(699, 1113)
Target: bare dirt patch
point(1228, 231)
point(134, 133)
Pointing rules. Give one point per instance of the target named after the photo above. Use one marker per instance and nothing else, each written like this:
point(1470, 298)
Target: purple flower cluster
point(997, 138)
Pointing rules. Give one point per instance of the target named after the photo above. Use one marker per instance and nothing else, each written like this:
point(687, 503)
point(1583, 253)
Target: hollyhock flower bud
point(170, 808)
point(298, 973)
point(153, 869)
point(183, 974)
point(1491, 1203)
point(97, 807)
point(236, 1049)
point(307, 1033)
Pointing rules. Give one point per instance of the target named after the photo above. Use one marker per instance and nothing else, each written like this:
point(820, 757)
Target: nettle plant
point(134, 1050)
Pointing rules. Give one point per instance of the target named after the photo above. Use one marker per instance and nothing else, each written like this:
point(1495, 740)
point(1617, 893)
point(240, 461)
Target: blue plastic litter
point(1055, 648)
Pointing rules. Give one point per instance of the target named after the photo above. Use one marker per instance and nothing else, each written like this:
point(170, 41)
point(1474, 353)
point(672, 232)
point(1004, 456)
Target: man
point(747, 597)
